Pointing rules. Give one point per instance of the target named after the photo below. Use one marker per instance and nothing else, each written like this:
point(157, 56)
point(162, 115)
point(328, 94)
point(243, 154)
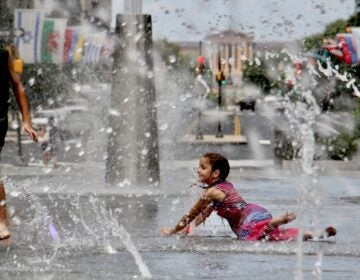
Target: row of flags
point(49, 40)
point(346, 46)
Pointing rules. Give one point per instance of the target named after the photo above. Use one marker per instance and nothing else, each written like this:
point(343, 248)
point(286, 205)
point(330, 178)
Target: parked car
point(247, 104)
point(246, 97)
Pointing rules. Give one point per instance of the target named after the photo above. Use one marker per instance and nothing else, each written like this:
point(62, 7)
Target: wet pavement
point(67, 224)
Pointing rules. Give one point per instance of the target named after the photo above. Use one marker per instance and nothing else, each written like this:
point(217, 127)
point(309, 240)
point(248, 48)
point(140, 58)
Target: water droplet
point(172, 58)
point(125, 182)
point(114, 112)
point(31, 81)
point(164, 126)
point(147, 134)
point(15, 220)
point(47, 170)
point(77, 87)
point(13, 194)
point(109, 130)
point(137, 37)
point(150, 74)
point(109, 249)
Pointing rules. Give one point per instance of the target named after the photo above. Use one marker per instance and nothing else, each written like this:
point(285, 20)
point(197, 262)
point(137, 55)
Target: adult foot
point(4, 231)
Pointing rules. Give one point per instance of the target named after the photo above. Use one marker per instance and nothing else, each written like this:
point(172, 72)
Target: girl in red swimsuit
point(247, 220)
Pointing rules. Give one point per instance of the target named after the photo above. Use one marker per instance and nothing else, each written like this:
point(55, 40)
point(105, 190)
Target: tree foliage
point(172, 56)
point(6, 16)
point(339, 26)
point(255, 73)
point(335, 27)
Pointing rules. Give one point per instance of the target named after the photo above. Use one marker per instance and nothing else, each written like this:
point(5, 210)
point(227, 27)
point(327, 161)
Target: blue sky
point(192, 20)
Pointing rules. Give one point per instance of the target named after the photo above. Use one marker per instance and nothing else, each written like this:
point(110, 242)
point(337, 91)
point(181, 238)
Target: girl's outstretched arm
point(204, 215)
point(194, 212)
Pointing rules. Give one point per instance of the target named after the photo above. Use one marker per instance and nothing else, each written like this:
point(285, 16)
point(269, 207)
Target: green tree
point(316, 41)
point(335, 27)
point(313, 42)
point(172, 56)
point(256, 74)
point(354, 20)
point(6, 16)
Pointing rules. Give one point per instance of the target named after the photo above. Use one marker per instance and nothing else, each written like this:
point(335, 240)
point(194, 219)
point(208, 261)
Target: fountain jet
point(133, 155)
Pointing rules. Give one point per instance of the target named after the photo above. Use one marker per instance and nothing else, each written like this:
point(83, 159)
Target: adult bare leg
point(4, 222)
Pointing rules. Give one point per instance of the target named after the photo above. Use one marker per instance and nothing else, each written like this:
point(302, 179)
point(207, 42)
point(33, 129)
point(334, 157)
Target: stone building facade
point(233, 48)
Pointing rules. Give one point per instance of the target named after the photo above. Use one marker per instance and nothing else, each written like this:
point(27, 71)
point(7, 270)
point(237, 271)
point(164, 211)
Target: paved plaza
point(67, 224)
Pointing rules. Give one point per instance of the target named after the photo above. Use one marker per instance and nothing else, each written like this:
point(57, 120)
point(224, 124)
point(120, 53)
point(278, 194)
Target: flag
point(356, 36)
point(107, 50)
point(78, 47)
point(29, 44)
point(73, 47)
point(52, 40)
point(352, 48)
point(93, 47)
point(347, 48)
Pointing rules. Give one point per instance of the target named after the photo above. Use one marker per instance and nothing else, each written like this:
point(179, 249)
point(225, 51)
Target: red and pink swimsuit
point(247, 220)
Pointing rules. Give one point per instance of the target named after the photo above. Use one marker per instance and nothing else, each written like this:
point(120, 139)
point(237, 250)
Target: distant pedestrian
point(9, 76)
point(51, 142)
point(248, 221)
point(43, 135)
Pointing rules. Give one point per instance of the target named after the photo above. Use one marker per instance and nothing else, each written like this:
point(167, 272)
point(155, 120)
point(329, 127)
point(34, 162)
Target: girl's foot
point(289, 217)
point(4, 231)
point(329, 231)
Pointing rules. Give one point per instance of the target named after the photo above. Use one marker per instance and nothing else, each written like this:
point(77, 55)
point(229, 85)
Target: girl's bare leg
point(278, 221)
point(329, 231)
point(308, 235)
point(290, 216)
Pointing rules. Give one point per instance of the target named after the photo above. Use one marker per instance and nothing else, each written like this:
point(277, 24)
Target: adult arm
point(21, 100)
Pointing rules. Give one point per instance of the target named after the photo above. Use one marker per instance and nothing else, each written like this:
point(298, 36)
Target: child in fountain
point(247, 220)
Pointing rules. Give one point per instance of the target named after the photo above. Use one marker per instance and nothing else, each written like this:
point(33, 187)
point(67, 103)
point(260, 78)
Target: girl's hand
point(167, 231)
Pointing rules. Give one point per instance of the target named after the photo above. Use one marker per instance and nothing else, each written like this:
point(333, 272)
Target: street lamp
point(220, 78)
point(199, 71)
point(230, 63)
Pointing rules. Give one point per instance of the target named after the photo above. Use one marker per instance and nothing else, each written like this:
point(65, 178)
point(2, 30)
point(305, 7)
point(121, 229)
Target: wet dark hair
point(218, 161)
